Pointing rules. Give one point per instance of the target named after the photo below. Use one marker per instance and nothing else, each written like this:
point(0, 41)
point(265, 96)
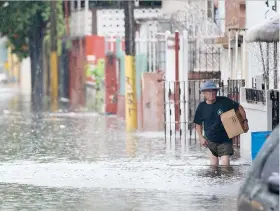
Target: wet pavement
point(85, 161)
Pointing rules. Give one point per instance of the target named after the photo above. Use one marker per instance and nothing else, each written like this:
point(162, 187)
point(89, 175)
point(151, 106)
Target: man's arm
point(198, 120)
point(237, 107)
point(198, 129)
point(242, 112)
point(203, 140)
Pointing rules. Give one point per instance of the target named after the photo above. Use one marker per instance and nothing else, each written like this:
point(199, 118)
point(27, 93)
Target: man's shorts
point(220, 149)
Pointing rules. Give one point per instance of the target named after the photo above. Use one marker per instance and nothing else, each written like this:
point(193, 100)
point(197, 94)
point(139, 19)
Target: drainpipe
point(244, 62)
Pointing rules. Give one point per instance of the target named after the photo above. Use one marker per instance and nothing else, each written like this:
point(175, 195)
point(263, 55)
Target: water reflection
point(23, 197)
point(131, 145)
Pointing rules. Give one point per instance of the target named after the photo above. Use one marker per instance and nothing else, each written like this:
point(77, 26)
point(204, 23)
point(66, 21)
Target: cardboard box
point(233, 123)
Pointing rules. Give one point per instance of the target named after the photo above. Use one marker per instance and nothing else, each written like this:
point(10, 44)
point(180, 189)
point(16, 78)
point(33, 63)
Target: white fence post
point(186, 49)
point(184, 97)
point(169, 87)
point(244, 61)
point(149, 52)
point(236, 55)
point(229, 53)
point(137, 43)
point(153, 42)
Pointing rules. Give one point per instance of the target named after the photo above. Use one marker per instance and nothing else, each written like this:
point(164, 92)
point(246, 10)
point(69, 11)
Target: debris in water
point(214, 197)
point(6, 111)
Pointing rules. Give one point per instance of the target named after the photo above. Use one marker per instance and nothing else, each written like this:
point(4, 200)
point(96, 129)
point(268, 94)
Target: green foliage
point(60, 27)
point(17, 20)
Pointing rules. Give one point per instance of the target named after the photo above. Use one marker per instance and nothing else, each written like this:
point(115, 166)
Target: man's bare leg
point(225, 160)
point(214, 161)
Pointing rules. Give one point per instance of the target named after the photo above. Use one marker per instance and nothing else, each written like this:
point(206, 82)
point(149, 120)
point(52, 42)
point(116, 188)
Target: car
point(260, 190)
point(3, 77)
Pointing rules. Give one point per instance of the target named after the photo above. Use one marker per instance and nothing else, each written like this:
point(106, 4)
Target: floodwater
point(85, 161)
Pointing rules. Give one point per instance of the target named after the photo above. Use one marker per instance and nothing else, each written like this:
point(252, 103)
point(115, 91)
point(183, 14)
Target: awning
point(268, 31)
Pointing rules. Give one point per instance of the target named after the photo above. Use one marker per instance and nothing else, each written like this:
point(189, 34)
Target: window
point(271, 165)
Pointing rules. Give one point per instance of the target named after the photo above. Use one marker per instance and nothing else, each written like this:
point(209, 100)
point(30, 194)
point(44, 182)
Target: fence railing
point(274, 97)
point(255, 96)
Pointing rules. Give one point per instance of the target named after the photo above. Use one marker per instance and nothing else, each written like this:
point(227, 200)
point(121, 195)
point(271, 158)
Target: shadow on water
point(212, 172)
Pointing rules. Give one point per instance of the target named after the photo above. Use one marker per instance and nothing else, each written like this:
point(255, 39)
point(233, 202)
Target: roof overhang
point(267, 31)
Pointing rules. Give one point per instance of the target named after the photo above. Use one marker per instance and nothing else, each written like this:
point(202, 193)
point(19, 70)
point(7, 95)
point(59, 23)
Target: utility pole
point(53, 58)
point(129, 28)
point(130, 71)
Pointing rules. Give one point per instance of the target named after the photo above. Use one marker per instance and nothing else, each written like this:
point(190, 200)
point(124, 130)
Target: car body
point(3, 77)
point(260, 191)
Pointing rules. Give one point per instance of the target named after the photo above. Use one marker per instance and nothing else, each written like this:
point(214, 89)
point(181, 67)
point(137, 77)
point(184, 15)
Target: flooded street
point(85, 161)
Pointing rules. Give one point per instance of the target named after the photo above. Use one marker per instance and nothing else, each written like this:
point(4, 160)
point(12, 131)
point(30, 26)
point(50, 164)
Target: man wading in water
point(207, 119)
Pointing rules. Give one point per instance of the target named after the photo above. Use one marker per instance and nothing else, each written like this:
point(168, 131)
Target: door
point(153, 108)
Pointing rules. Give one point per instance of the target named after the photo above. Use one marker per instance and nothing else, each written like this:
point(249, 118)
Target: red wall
point(94, 46)
point(111, 85)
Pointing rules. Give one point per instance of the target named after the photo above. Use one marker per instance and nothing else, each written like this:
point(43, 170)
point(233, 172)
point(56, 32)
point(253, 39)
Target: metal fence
point(274, 96)
point(180, 107)
point(255, 95)
point(204, 57)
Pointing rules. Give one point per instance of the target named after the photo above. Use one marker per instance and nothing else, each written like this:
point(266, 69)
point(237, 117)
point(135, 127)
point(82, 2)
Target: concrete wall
point(110, 22)
point(259, 116)
point(169, 7)
point(25, 76)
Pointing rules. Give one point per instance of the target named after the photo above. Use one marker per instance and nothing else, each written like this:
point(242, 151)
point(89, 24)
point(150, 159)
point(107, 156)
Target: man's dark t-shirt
point(209, 116)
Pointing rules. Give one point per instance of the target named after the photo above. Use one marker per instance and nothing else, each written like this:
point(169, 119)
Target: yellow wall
point(13, 66)
point(10, 63)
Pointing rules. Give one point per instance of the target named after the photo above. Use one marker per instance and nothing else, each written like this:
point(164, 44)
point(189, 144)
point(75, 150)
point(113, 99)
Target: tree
point(23, 24)
point(26, 25)
point(61, 29)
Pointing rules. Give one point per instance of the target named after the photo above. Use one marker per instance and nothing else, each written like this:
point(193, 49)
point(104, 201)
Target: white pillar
point(169, 86)
point(79, 20)
point(236, 76)
point(86, 15)
point(184, 86)
point(229, 53)
point(244, 62)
